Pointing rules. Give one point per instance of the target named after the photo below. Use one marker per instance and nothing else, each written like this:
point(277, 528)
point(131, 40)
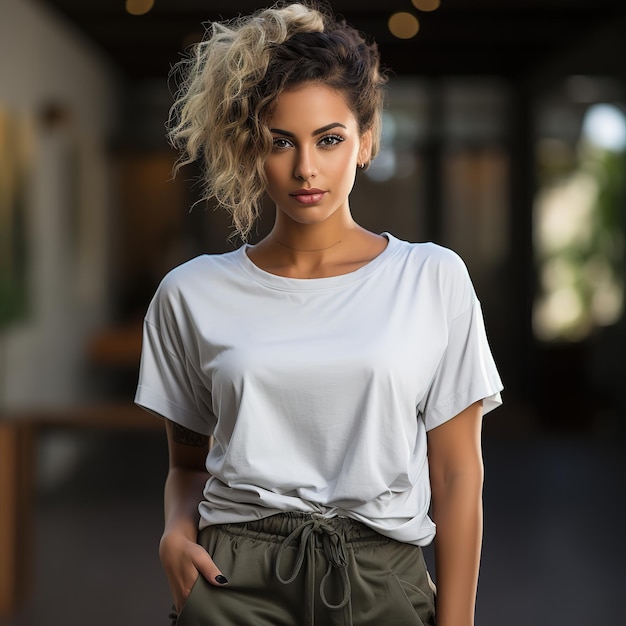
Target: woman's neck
point(316, 255)
point(293, 248)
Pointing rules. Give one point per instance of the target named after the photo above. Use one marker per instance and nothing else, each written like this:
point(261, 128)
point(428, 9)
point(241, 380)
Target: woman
point(342, 375)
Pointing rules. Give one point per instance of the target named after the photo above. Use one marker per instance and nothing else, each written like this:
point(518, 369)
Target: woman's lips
point(308, 196)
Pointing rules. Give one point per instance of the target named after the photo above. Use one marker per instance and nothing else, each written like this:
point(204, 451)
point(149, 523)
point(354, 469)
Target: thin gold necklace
point(301, 250)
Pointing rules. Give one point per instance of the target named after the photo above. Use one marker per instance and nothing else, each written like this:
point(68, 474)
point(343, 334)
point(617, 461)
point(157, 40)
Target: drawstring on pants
point(334, 551)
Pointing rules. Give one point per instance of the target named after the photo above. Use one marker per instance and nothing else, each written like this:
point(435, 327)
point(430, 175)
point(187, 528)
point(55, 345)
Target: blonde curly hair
point(228, 84)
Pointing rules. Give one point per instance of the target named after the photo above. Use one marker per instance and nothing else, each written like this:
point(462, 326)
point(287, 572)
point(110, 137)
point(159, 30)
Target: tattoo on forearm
point(188, 437)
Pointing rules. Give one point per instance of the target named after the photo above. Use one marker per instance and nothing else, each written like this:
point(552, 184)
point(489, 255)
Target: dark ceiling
point(510, 38)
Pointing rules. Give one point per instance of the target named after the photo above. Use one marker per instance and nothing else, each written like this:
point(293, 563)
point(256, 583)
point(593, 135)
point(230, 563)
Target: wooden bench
point(18, 456)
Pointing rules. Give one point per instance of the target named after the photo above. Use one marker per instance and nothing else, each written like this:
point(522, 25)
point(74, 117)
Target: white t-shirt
point(318, 392)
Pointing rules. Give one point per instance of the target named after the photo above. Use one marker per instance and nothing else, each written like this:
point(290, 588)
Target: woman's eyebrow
point(319, 131)
point(323, 129)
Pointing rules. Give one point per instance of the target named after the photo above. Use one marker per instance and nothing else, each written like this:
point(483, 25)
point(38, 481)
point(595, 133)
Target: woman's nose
point(304, 166)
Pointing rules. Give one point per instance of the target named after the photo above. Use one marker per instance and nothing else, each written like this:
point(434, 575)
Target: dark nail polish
point(222, 580)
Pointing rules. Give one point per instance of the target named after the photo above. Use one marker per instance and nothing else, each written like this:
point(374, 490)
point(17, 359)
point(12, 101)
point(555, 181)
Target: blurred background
point(504, 139)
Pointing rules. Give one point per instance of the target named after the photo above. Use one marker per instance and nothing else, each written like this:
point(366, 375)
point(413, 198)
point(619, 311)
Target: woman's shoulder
point(200, 266)
point(431, 255)
point(438, 269)
point(196, 274)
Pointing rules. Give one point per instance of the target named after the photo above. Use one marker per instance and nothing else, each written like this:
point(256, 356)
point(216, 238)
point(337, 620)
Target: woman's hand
point(183, 561)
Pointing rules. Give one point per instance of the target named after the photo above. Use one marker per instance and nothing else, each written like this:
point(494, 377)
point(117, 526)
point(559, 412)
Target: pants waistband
point(276, 528)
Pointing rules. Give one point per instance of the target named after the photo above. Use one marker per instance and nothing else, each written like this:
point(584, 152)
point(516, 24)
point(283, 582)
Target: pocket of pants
point(420, 601)
point(178, 618)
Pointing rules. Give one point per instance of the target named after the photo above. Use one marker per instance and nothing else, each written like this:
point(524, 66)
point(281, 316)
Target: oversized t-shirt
point(318, 392)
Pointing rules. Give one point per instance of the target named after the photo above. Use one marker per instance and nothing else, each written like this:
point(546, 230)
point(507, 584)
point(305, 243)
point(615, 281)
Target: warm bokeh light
point(426, 5)
point(139, 7)
point(403, 25)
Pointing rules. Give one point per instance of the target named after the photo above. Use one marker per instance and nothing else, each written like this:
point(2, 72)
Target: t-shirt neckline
point(316, 284)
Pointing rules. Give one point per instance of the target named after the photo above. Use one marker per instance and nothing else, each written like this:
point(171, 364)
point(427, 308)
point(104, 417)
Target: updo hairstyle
point(227, 86)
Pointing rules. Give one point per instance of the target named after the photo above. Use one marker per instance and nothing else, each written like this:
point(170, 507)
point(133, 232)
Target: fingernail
point(222, 580)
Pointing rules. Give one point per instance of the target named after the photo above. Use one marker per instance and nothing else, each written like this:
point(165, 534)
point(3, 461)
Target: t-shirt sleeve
point(467, 371)
point(167, 384)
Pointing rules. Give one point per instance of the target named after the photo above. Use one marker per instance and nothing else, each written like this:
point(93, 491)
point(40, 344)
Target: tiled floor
point(553, 555)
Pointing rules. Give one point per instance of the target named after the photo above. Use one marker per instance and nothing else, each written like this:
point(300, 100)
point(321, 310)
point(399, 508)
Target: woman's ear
point(365, 147)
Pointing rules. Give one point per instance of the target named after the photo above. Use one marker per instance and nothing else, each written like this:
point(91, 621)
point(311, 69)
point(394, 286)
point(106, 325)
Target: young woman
point(341, 375)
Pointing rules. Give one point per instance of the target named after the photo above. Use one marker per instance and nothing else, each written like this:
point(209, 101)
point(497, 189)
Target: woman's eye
point(281, 143)
point(330, 140)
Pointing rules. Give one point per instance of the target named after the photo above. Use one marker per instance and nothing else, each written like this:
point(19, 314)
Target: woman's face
point(317, 148)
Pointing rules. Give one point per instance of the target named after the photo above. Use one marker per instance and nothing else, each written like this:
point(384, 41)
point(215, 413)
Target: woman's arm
point(456, 477)
point(182, 558)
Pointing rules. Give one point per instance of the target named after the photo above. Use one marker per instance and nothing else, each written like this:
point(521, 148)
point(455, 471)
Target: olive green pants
point(296, 569)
